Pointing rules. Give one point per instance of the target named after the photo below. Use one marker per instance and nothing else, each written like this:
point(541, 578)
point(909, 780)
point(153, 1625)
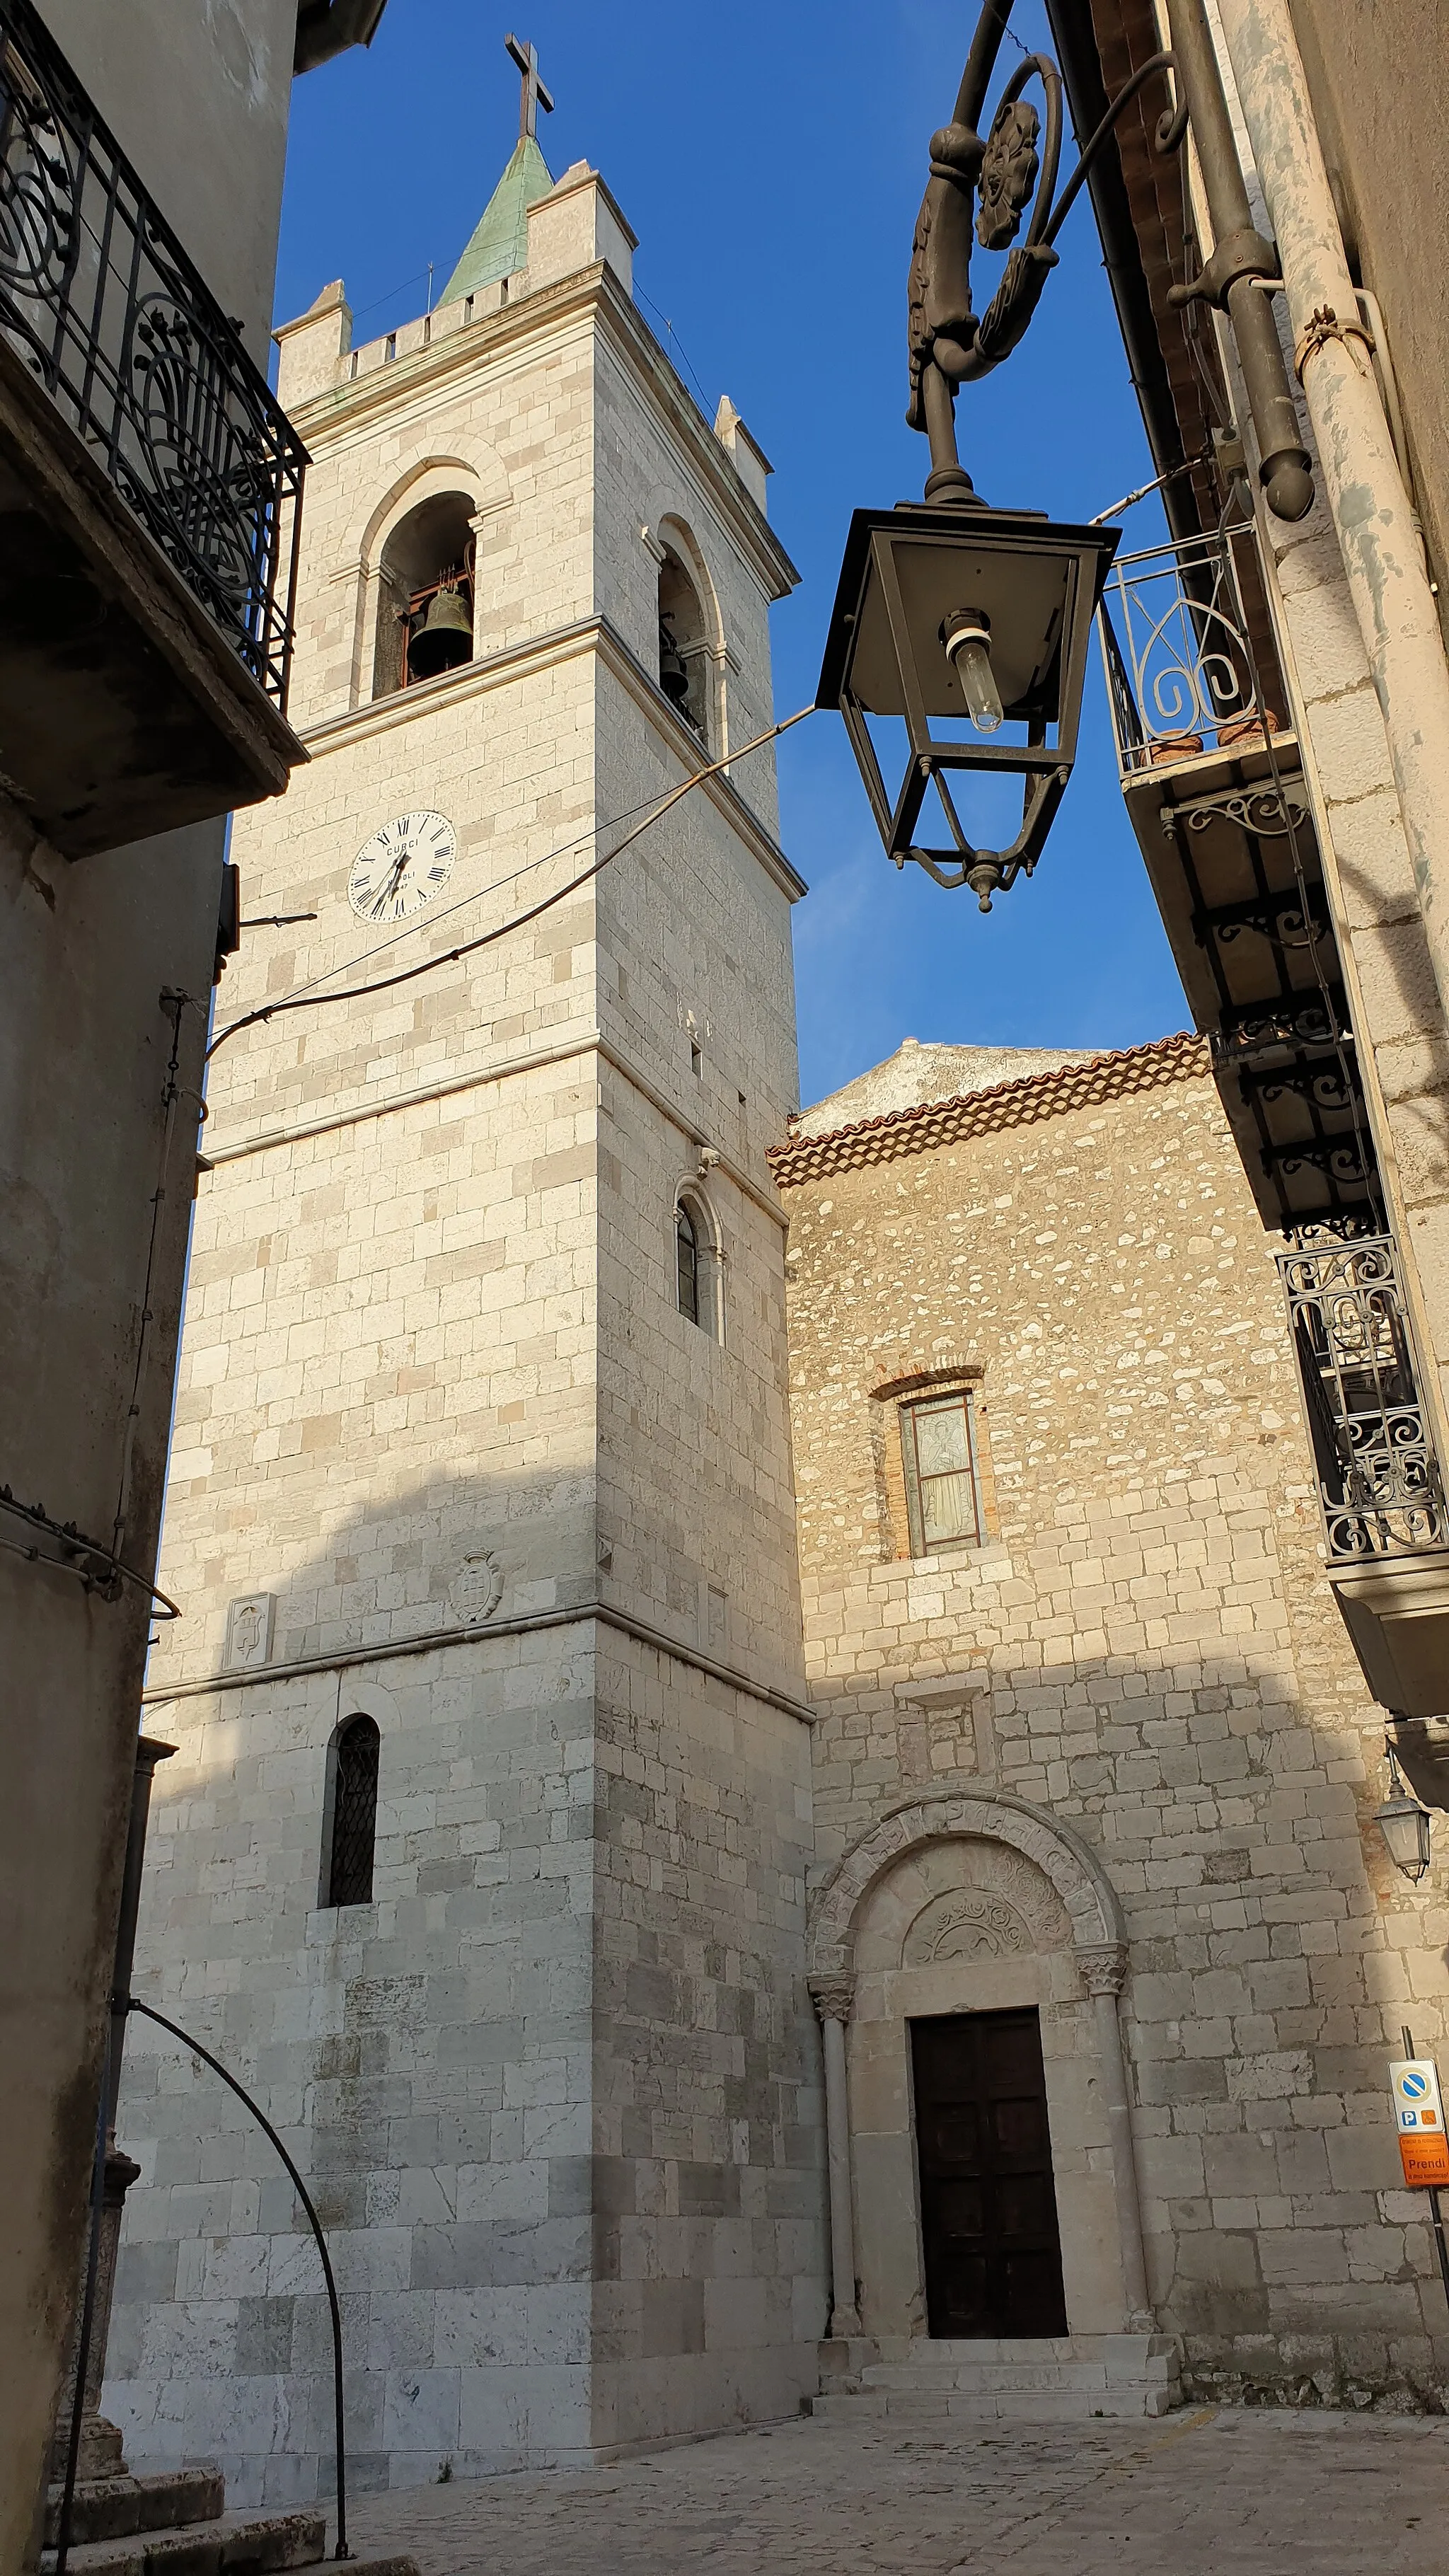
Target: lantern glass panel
point(1404, 1825)
point(1026, 601)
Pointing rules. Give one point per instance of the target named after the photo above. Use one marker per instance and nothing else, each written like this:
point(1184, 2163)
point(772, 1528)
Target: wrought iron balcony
point(1213, 783)
point(1184, 635)
point(1378, 1477)
point(150, 388)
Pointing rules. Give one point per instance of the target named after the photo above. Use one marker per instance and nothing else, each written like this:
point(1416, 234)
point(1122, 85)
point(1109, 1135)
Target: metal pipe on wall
point(1239, 258)
point(1372, 515)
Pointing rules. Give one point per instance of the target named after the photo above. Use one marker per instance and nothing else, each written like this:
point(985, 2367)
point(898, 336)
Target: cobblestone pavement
point(1193, 2495)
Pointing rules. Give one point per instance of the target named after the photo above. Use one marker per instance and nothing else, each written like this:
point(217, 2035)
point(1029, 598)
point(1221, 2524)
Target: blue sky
point(771, 161)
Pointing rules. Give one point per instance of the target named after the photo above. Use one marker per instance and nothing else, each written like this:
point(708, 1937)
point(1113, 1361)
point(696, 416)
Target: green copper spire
point(500, 244)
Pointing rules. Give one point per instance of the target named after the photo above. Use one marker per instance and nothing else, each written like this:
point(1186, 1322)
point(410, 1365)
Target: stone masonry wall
point(1163, 1670)
point(554, 2086)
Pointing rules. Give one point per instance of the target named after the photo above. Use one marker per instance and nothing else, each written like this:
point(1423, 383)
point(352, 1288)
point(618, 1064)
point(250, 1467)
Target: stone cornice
point(540, 653)
point(591, 1042)
point(480, 1633)
point(592, 291)
point(918, 1130)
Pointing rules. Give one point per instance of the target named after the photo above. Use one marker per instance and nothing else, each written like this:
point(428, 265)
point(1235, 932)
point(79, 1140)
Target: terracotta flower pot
point(1241, 729)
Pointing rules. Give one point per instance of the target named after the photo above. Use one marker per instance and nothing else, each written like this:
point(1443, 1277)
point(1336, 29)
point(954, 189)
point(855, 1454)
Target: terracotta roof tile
point(981, 1113)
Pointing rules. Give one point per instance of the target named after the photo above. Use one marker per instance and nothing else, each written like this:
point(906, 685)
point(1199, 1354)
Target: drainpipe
point(1240, 258)
point(1360, 475)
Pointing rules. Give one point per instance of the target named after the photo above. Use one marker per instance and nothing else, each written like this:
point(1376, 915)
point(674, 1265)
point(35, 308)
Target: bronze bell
point(673, 669)
point(445, 638)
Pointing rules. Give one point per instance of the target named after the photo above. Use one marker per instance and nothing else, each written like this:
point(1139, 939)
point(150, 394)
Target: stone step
point(1018, 2405)
point(966, 2378)
point(1060, 2378)
point(244, 2544)
point(116, 2508)
point(233, 2544)
point(927, 2354)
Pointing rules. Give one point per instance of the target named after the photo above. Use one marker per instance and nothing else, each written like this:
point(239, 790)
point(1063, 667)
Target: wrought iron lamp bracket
point(992, 179)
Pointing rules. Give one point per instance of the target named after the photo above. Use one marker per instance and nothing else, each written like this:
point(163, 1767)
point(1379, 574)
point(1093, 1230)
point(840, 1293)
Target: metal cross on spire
point(535, 95)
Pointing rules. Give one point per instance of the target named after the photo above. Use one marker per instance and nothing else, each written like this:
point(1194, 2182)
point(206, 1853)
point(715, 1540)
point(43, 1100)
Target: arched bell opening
point(426, 594)
point(683, 645)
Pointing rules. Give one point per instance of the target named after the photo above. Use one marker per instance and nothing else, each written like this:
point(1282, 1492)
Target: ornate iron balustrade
point(99, 300)
point(1378, 1477)
point(1178, 652)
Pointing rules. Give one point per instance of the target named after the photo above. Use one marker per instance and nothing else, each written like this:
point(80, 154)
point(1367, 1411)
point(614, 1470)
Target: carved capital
point(833, 1997)
point(1103, 1965)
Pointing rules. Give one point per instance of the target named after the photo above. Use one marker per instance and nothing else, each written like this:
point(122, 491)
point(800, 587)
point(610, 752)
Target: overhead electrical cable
point(314, 1001)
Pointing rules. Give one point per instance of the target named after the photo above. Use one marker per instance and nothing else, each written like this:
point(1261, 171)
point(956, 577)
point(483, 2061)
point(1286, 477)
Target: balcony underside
point(125, 711)
point(1396, 1610)
point(1242, 901)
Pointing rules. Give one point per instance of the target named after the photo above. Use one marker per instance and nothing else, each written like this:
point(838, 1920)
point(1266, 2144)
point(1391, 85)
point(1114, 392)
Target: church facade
point(1094, 1766)
point(946, 1957)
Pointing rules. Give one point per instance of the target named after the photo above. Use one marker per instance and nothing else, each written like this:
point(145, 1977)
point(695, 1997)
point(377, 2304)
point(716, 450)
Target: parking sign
point(1419, 2120)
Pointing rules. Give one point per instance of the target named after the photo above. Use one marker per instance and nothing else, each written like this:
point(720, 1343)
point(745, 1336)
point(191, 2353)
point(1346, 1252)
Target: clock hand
point(391, 887)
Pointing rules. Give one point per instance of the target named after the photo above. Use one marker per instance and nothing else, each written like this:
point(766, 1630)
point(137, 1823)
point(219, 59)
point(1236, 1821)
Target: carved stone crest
point(477, 1587)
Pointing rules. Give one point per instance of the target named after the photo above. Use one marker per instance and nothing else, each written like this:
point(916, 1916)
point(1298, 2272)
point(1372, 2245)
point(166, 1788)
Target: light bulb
point(966, 634)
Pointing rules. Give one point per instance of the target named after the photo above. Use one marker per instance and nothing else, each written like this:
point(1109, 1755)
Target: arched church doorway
point(966, 1958)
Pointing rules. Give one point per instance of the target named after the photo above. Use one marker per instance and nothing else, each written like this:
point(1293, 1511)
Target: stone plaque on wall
point(249, 1631)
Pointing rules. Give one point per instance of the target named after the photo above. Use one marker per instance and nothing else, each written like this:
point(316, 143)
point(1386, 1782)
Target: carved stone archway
point(1097, 1948)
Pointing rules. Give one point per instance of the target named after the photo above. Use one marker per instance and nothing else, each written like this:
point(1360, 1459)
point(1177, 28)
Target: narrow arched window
point(425, 599)
point(683, 657)
point(686, 1248)
point(353, 1818)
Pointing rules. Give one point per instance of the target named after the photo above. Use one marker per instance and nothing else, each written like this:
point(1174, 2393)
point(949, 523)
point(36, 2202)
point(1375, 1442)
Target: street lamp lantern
point(963, 622)
point(1404, 1825)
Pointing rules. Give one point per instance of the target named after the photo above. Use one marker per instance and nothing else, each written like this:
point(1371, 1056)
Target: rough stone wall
point(1163, 1668)
point(435, 1382)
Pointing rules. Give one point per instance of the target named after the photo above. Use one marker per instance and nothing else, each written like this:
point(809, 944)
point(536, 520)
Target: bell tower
point(483, 1854)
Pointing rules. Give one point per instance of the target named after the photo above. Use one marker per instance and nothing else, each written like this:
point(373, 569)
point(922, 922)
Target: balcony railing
point(99, 300)
point(1182, 633)
point(1378, 1476)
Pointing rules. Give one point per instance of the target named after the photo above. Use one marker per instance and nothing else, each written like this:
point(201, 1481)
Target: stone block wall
point(1151, 1655)
point(443, 1429)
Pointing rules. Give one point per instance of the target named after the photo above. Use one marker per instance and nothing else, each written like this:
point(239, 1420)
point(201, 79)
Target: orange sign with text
point(1419, 2119)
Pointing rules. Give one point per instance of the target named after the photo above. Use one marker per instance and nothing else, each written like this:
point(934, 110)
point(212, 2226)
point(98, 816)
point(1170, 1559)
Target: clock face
point(402, 867)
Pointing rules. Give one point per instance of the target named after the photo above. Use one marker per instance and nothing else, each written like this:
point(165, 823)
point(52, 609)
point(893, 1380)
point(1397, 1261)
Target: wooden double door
point(992, 2246)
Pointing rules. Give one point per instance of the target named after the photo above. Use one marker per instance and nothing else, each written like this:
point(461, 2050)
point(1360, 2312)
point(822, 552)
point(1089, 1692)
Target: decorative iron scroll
point(1299, 1020)
point(1179, 659)
point(1262, 811)
point(1379, 1479)
point(99, 300)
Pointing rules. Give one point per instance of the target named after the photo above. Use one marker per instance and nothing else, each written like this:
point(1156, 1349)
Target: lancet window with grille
point(355, 1755)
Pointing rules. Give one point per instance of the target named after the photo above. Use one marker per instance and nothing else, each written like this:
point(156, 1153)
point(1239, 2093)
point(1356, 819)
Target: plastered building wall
point(442, 1425)
point(1144, 1649)
point(93, 1262)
